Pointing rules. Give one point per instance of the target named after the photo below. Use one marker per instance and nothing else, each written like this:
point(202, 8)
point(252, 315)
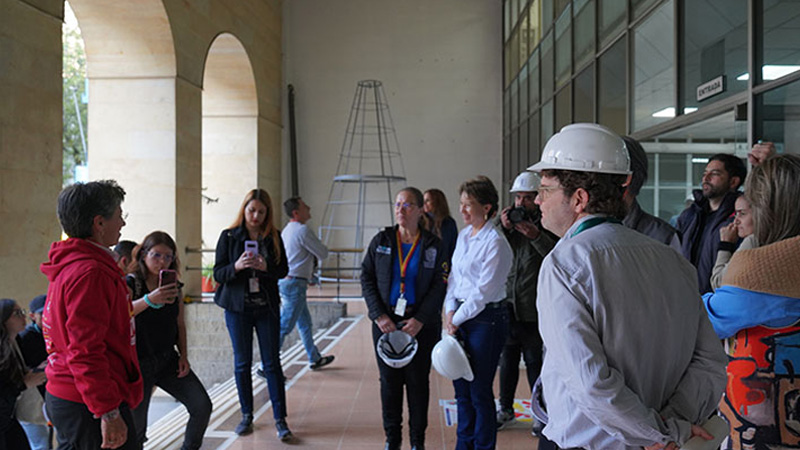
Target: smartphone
point(166, 277)
point(37, 369)
point(251, 247)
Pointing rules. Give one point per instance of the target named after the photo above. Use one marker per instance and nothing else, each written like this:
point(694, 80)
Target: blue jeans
point(295, 310)
point(265, 322)
point(162, 371)
point(483, 336)
point(38, 435)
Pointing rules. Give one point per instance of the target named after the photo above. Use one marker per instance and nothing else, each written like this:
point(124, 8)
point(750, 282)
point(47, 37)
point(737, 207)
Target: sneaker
point(245, 426)
point(505, 417)
point(322, 362)
point(284, 434)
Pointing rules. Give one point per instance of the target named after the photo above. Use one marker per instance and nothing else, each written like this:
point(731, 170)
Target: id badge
point(400, 307)
point(254, 285)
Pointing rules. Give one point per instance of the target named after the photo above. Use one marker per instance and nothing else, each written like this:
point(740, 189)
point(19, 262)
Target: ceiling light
point(666, 112)
point(771, 72)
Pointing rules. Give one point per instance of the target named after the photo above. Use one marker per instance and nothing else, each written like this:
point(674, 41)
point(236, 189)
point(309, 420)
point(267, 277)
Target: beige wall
point(30, 142)
point(439, 63)
point(146, 61)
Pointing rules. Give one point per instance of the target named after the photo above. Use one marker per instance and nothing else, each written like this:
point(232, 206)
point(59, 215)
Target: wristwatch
point(111, 415)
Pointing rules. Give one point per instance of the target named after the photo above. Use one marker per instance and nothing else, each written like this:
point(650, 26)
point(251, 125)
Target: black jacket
point(233, 287)
point(649, 225)
point(376, 276)
point(699, 230)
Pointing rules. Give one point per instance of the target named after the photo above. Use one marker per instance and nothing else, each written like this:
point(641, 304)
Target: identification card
point(254, 285)
point(400, 307)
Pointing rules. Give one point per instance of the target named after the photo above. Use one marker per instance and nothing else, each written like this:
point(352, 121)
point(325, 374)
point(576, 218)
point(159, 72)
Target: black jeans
point(76, 427)
point(416, 379)
point(523, 339)
point(162, 371)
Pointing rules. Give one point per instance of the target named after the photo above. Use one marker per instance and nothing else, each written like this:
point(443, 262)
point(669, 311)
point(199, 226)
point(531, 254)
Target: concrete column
point(30, 143)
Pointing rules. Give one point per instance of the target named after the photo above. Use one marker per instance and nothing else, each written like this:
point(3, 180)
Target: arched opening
point(230, 137)
point(130, 61)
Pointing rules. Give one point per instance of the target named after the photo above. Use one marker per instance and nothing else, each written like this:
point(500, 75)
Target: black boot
point(284, 434)
point(245, 426)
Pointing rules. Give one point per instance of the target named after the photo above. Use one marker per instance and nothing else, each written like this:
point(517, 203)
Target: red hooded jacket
point(89, 329)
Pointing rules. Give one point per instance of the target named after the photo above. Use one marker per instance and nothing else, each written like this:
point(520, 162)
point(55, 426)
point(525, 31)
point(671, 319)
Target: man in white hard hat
point(631, 359)
point(530, 244)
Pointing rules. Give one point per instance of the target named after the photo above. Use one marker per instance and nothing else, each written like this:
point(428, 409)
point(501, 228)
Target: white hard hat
point(585, 147)
point(526, 182)
point(450, 360)
point(397, 348)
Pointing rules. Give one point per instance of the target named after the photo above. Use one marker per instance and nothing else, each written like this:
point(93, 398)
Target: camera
point(520, 214)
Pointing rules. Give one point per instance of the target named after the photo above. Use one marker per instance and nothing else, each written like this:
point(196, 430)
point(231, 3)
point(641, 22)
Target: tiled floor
point(338, 407)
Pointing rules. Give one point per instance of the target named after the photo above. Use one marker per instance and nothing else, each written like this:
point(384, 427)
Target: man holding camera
point(530, 243)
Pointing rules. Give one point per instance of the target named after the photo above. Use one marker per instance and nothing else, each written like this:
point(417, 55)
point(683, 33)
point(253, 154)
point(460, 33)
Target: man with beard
point(712, 209)
point(631, 360)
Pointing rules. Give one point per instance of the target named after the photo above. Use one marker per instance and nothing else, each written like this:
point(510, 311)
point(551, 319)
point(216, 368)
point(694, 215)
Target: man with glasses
point(713, 208)
point(631, 359)
point(93, 376)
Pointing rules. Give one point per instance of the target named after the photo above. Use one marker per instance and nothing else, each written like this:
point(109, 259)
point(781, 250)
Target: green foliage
point(74, 74)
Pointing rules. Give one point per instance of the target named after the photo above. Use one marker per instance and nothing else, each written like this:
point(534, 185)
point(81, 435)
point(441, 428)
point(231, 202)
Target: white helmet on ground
point(450, 360)
point(397, 348)
point(585, 147)
point(526, 182)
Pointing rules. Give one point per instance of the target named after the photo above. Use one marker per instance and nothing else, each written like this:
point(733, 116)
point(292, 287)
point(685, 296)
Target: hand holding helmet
point(450, 359)
point(397, 349)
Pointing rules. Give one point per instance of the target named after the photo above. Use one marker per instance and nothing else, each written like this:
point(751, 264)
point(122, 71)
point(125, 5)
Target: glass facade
point(674, 74)
point(653, 74)
point(714, 42)
point(611, 85)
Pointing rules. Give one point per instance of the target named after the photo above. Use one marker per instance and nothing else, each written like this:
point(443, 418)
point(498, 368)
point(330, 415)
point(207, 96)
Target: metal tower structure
point(360, 199)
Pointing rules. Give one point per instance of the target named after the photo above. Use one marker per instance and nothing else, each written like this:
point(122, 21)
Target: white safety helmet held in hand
point(585, 147)
point(526, 182)
point(450, 360)
point(397, 348)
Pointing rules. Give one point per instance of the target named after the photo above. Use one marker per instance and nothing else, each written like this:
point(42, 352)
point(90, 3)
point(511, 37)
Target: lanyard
point(593, 222)
point(404, 261)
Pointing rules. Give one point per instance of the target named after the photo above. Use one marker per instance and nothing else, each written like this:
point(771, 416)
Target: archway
point(230, 136)
point(131, 69)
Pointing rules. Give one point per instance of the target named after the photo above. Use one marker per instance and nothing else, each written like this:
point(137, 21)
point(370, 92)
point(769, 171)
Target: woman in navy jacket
point(248, 290)
point(423, 291)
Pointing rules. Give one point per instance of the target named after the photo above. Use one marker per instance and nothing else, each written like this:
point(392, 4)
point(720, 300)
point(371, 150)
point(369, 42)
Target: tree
point(74, 74)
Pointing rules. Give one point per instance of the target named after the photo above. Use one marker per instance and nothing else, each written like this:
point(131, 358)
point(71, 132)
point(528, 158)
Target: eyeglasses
point(399, 205)
point(20, 312)
point(546, 191)
point(155, 255)
point(125, 216)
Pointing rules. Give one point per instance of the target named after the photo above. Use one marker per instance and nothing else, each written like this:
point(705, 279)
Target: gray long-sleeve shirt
point(301, 248)
point(631, 357)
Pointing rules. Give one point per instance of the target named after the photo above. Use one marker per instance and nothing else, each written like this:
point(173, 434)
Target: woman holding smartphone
point(160, 328)
point(250, 259)
point(14, 376)
point(474, 310)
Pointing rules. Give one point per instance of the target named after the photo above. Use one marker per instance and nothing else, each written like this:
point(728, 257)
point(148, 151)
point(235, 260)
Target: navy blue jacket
point(376, 276)
point(233, 287)
point(699, 230)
